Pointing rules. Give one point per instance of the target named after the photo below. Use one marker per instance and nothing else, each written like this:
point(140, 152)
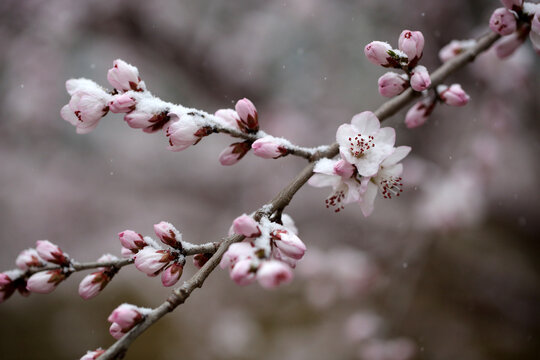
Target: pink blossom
point(392, 84)
point(268, 148)
point(228, 117)
point(503, 22)
point(87, 106)
point(243, 272)
point(93, 284)
point(234, 152)
point(454, 95)
point(248, 117)
point(122, 104)
point(454, 48)
point(45, 282)
point(7, 287)
point(126, 316)
point(377, 53)
point(132, 240)
point(152, 261)
point(535, 22)
point(147, 121)
point(51, 252)
point(420, 79)
point(508, 45)
point(171, 275)
point(245, 225)
point(279, 255)
point(28, 258)
point(168, 234)
point(344, 169)
point(123, 76)
point(512, 4)
point(116, 331)
point(289, 244)
point(126, 253)
point(273, 273)
point(236, 252)
point(418, 114)
point(412, 44)
point(184, 131)
point(93, 354)
point(364, 144)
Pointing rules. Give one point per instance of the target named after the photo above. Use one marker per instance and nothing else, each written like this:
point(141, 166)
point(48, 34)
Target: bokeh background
point(450, 270)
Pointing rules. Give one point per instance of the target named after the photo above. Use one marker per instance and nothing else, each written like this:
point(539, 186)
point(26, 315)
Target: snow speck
point(22, 86)
point(405, 265)
point(423, 14)
point(111, 173)
point(92, 66)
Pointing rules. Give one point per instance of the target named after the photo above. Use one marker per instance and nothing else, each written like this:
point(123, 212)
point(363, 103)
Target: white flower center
point(360, 144)
point(390, 186)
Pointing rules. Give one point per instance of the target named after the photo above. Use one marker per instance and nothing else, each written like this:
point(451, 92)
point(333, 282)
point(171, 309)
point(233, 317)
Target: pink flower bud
point(377, 53)
point(236, 252)
point(126, 253)
point(412, 44)
point(289, 244)
point(392, 84)
point(279, 255)
point(93, 284)
point(454, 96)
point(86, 108)
point(417, 115)
point(93, 354)
point(513, 4)
point(168, 234)
point(123, 76)
point(122, 104)
point(508, 45)
point(455, 48)
point(245, 225)
point(232, 154)
point(228, 118)
point(420, 79)
point(184, 132)
point(51, 253)
point(503, 22)
point(273, 273)
point(248, 117)
point(535, 23)
point(268, 148)
point(200, 259)
point(28, 258)
point(342, 168)
point(126, 316)
point(7, 287)
point(147, 121)
point(45, 282)
point(116, 331)
point(152, 261)
point(243, 272)
point(171, 275)
point(132, 240)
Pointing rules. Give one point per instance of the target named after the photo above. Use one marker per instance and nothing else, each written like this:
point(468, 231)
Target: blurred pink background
point(450, 270)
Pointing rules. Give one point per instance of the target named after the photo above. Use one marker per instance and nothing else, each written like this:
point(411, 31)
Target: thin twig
point(76, 266)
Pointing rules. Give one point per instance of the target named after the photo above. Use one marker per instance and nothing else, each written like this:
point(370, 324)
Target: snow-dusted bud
point(235, 253)
point(234, 152)
point(508, 45)
point(268, 147)
point(7, 287)
point(152, 261)
point(228, 118)
point(45, 282)
point(344, 169)
point(273, 273)
point(243, 272)
point(247, 115)
point(123, 76)
point(513, 4)
point(147, 121)
point(503, 22)
point(288, 243)
point(51, 253)
point(245, 225)
point(87, 106)
point(420, 79)
point(93, 354)
point(132, 240)
point(93, 284)
point(392, 84)
point(454, 48)
point(122, 104)
point(279, 255)
point(184, 131)
point(168, 234)
point(453, 95)
point(126, 253)
point(377, 53)
point(200, 259)
point(123, 319)
point(171, 275)
point(417, 115)
point(412, 44)
point(28, 258)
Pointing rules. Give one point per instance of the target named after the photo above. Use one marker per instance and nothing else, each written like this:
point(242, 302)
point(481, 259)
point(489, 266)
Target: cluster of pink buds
point(368, 164)
point(268, 254)
point(411, 47)
point(124, 318)
point(152, 259)
point(514, 22)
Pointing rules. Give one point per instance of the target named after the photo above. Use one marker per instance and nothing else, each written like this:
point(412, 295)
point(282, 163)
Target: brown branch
point(179, 295)
point(76, 266)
